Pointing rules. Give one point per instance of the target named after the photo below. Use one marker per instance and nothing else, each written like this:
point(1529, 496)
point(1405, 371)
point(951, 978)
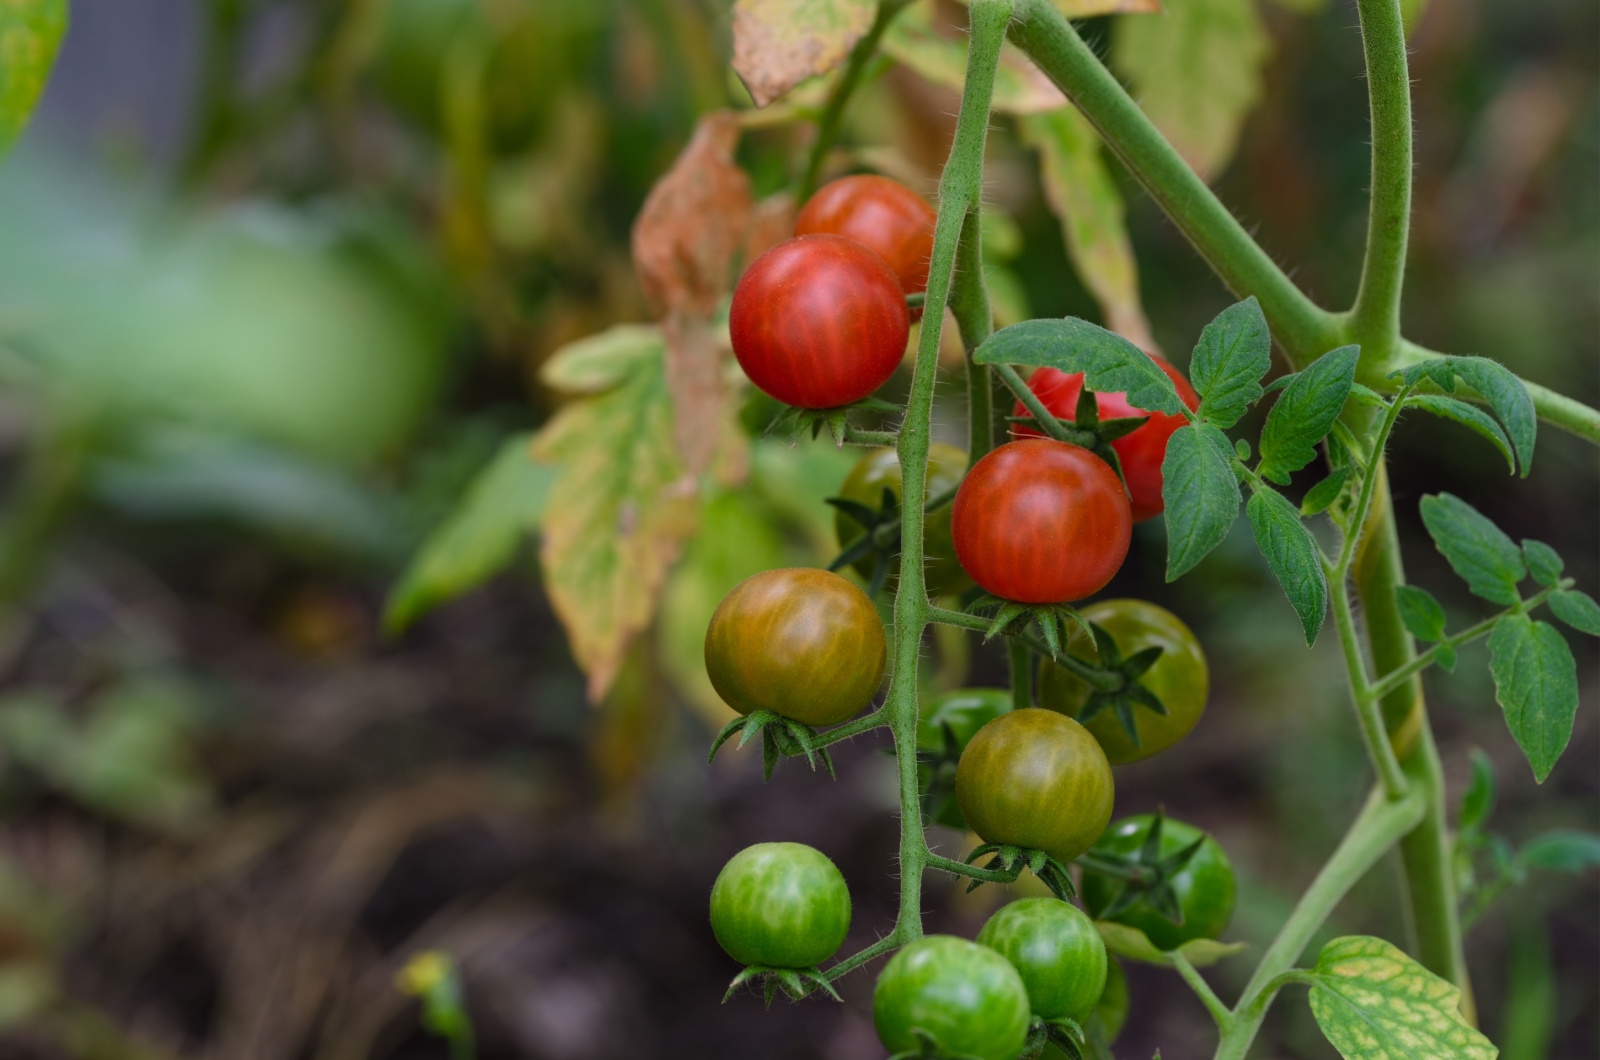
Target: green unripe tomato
point(865, 484)
point(1055, 948)
point(966, 997)
point(781, 905)
point(1179, 677)
point(1035, 778)
point(1204, 886)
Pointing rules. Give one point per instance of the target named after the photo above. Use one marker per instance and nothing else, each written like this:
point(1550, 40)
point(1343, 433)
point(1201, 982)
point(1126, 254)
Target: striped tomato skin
point(819, 321)
point(1035, 778)
point(803, 643)
point(1041, 522)
point(882, 215)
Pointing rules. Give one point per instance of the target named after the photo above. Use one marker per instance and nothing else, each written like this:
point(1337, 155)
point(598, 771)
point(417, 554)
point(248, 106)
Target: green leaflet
point(1200, 494)
point(479, 538)
point(1469, 416)
point(1234, 352)
point(1477, 802)
point(1292, 553)
point(1420, 612)
point(1305, 412)
point(1486, 559)
point(1324, 493)
point(1561, 850)
point(1544, 563)
point(1110, 362)
point(30, 36)
point(1576, 609)
point(1504, 392)
point(1536, 683)
point(1375, 1003)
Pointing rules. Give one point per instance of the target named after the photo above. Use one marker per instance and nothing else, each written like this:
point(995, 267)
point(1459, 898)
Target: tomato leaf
point(1292, 553)
point(1536, 683)
point(1079, 188)
point(1374, 1003)
point(1200, 493)
point(1135, 945)
point(1508, 399)
point(1561, 850)
point(1477, 802)
point(598, 363)
point(619, 509)
point(1486, 559)
point(1234, 352)
point(1305, 413)
point(1544, 563)
point(1196, 71)
point(1576, 609)
point(478, 539)
point(1110, 362)
point(1420, 612)
point(779, 43)
point(1469, 416)
point(30, 36)
point(1019, 87)
point(1324, 493)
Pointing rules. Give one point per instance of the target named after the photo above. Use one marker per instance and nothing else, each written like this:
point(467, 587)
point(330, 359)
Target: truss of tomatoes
point(820, 322)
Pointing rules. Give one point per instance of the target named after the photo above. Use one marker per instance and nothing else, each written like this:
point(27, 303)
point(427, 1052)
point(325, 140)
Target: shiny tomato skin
point(1035, 778)
point(1041, 522)
point(1205, 885)
point(865, 484)
point(819, 321)
point(1141, 452)
point(803, 643)
point(882, 215)
point(966, 997)
point(1056, 949)
point(781, 905)
point(1179, 678)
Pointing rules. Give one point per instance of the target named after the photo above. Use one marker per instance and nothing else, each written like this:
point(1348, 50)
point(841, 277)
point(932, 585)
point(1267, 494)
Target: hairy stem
point(969, 304)
point(1373, 733)
point(849, 80)
point(1021, 674)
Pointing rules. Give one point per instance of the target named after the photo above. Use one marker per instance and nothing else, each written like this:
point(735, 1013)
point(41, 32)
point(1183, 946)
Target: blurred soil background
point(282, 340)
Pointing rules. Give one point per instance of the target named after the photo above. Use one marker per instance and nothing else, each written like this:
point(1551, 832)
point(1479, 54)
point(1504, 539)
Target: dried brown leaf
point(779, 43)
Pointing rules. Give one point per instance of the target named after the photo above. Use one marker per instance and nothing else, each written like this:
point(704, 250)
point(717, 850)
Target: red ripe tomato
point(1041, 522)
point(1141, 452)
point(819, 321)
point(882, 215)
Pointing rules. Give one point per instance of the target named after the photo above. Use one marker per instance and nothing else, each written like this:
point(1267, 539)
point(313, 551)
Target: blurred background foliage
point(288, 289)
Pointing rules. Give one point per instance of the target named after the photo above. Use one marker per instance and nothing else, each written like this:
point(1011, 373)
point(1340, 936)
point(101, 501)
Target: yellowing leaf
point(619, 511)
point(30, 34)
point(1196, 71)
point(1080, 191)
point(914, 39)
point(779, 43)
point(1375, 1003)
point(1135, 945)
point(601, 361)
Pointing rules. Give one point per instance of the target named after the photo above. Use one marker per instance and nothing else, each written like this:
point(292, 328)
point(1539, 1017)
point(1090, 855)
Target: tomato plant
point(1202, 888)
point(946, 725)
point(962, 998)
point(819, 321)
point(1040, 521)
point(882, 215)
point(1057, 951)
point(1178, 679)
point(879, 470)
point(780, 905)
point(802, 643)
point(1037, 779)
point(1139, 452)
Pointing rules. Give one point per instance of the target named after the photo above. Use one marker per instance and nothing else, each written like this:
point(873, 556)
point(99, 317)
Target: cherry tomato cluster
point(821, 321)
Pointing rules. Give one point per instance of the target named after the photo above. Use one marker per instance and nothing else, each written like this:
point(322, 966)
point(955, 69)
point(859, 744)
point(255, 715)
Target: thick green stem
point(969, 304)
point(849, 79)
point(1374, 321)
point(1021, 674)
point(1304, 329)
point(1380, 824)
point(1368, 713)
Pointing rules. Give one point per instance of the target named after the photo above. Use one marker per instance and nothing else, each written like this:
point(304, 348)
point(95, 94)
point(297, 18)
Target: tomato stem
point(1021, 674)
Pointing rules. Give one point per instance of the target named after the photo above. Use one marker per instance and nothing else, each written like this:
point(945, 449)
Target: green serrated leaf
point(1200, 494)
point(1477, 802)
point(1324, 493)
point(1110, 362)
point(1486, 559)
point(1292, 553)
point(1421, 613)
point(1135, 945)
point(479, 538)
point(1544, 563)
point(1445, 655)
point(30, 36)
point(1577, 609)
point(1495, 383)
point(1561, 850)
point(1469, 416)
point(1234, 352)
point(1375, 1003)
point(1305, 413)
point(1536, 683)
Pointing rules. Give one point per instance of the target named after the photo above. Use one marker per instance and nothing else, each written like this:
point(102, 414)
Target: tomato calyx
point(796, 983)
point(928, 1049)
point(1065, 1033)
point(881, 540)
point(800, 422)
point(939, 793)
point(1146, 876)
point(1087, 430)
point(780, 737)
point(1012, 618)
point(1011, 860)
point(1114, 681)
